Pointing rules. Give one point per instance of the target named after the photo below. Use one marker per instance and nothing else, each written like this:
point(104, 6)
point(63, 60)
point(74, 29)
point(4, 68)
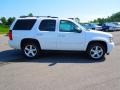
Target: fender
point(95, 39)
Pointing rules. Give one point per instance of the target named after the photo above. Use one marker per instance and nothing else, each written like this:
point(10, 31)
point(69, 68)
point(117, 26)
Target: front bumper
point(110, 46)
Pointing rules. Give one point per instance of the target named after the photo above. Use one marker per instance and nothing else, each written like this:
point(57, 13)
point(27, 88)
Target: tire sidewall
point(37, 48)
point(93, 45)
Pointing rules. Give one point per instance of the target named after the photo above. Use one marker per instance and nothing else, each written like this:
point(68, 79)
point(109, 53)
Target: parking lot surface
point(58, 71)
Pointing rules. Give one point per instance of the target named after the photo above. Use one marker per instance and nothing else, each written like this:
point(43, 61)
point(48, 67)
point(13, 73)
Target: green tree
point(77, 19)
point(10, 20)
point(30, 14)
point(113, 18)
point(4, 21)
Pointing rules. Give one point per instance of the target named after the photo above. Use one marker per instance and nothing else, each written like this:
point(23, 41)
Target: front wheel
point(31, 50)
point(96, 51)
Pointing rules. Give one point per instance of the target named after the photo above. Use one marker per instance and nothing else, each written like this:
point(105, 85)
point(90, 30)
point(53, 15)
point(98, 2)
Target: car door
point(47, 34)
point(68, 37)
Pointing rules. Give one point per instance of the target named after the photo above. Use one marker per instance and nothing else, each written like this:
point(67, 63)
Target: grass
point(4, 29)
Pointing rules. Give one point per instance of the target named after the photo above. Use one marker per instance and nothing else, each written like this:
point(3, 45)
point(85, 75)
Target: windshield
point(83, 27)
point(80, 26)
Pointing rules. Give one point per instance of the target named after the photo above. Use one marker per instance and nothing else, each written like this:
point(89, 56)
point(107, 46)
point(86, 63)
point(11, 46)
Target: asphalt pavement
point(58, 71)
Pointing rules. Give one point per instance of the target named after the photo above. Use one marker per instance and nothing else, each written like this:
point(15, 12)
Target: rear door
point(47, 34)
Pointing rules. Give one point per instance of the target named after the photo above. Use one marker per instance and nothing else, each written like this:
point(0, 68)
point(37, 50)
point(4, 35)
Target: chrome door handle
point(61, 35)
point(39, 34)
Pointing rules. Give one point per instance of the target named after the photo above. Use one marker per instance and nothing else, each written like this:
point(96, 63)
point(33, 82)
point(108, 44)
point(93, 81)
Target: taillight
point(10, 34)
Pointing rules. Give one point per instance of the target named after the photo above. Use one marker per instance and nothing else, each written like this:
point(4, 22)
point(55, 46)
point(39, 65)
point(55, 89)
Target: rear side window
point(47, 25)
point(24, 24)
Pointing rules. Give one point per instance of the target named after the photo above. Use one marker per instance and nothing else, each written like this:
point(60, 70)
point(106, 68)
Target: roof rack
point(38, 16)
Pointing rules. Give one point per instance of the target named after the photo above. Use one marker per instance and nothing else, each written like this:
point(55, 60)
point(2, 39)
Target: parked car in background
point(85, 25)
point(96, 26)
point(105, 27)
point(112, 26)
point(117, 25)
point(92, 26)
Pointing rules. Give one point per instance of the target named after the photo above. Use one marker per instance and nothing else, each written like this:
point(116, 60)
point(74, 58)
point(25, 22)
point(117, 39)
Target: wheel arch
point(97, 41)
point(30, 40)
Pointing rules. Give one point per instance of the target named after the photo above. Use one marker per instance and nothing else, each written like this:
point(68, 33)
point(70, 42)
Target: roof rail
point(38, 16)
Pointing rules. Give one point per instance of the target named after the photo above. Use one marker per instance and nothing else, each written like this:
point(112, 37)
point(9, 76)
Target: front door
point(68, 37)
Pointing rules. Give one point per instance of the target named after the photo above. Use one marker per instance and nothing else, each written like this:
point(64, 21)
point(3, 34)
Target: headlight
point(111, 39)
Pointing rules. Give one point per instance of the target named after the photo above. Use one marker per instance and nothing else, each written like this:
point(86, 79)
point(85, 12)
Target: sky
point(86, 10)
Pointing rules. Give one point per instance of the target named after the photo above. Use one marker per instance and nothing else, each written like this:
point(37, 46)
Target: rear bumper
point(13, 44)
point(110, 46)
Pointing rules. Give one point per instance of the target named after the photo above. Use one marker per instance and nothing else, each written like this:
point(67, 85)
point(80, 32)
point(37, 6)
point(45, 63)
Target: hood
point(100, 33)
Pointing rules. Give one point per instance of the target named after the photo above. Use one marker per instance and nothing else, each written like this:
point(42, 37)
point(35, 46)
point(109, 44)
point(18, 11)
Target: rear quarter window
point(24, 24)
point(47, 25)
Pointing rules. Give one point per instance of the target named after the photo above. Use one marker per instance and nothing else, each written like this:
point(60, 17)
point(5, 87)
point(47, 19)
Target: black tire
point(35, 49)
point(97, 54)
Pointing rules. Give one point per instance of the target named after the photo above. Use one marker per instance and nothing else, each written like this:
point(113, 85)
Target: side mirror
point(78, 30)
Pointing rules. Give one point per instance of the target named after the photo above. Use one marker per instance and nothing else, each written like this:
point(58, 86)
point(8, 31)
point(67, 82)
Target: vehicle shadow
point(47, 57)
point(9, 55)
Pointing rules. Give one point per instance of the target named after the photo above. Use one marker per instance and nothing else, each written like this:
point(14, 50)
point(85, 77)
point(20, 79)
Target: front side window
point(24, 24)
point(67, 26)
point(47, 25)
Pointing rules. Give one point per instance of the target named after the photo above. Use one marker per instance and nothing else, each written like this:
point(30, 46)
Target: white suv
point(34, 34)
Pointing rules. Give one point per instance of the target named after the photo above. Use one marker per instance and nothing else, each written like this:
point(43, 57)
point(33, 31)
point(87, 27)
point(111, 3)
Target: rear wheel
point(31, 50)
point(96, 51)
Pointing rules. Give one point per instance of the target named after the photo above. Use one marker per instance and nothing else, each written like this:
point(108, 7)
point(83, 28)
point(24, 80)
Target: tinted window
point(47, 25)
point(67, 26)
point(24, 24)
